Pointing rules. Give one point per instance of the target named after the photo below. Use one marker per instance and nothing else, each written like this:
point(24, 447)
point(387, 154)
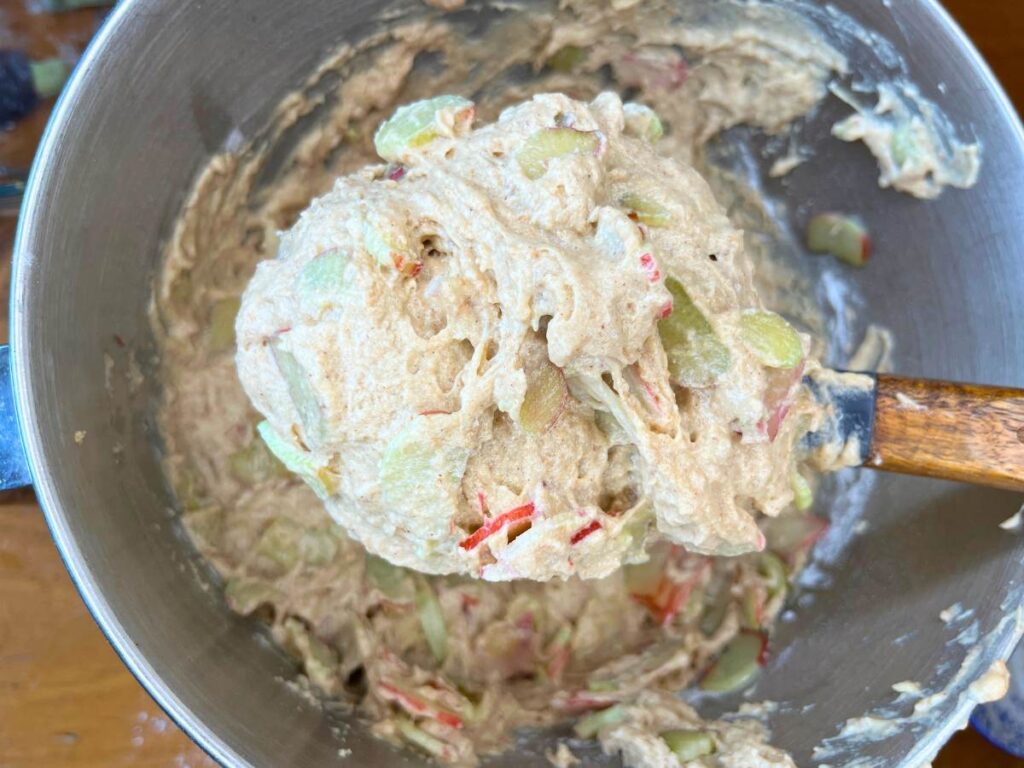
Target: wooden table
point(65, 698)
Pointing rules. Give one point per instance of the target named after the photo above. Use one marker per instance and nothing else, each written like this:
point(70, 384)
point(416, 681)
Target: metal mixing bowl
point(162, 88)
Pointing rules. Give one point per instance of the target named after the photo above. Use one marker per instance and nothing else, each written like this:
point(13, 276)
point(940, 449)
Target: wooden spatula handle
point(954, 431)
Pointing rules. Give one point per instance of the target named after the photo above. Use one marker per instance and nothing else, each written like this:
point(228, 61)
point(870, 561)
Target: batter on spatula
point(527, 349)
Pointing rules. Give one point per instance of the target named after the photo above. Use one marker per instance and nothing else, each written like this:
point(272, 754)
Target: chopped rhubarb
point(432, 745)
point(566, 59)
point(222, 324)
point(646, 210)
point(431, 617)
point(779, 398)
point(406, 266)
point(738, 664)
point(689, 745)
point(650, 267)
point(771, 339)
point(546, 145)
point(793, 536)
point(588, 727)
point(645, 578)
point(666, 602)
point(419, 123)
point(302, 392)
point(421, 469)
point(754, 600)
point(642, 122)
point(585, 531)
point(803, 496)
point(643, 389)
point(696, 356)
point(396, 172)
point(776, 577)
point(666, 310)
point(435, 412)
point(254, 463)
point(389, 245)
point(558, 662)
point(844, 237)
point(496, 524)
point(545, 399)
point(559, 653)
point(323, 277)
point(315, 471)
point(417, 705)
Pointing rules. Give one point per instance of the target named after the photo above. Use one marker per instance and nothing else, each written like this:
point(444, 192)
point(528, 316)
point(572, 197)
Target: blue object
point(17, 91)
point(852, 411)
point(1002, 722)
point(14, 472)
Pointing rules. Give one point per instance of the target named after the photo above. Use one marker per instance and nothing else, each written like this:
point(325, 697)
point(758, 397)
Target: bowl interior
point(164, 87)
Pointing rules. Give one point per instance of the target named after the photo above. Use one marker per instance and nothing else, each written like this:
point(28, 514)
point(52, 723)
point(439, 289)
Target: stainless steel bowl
point(161, 89)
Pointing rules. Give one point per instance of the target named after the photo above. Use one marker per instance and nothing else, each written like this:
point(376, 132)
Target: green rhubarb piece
point(419, 123)
point(389, 579)
point(694, 608)
point(546, 392)
point(589, 726)
point(279, 544)
point(844, 237)
point(646, 210)
point(803, 496)
point(689, 745)
point(696, 356)
point(714, 613)
point(301, 391)
point(313, 470)
point(431, 617)
point(566, 58)
point(319, 661)
point(771, 339)
point(416, 736)
point(222, 324)
point(602, 686)
point(643, 122)
point(421, 472)
point(752, 607)
point(190, 488)
point(774, 571)
point(738, 665)
point(390, 248)
point(324, 276)
point(205, 526)
point(546, 145)
point(245, 595)
point(645, 578)
point(286, 544)
point(254, 463)
point(318, 547)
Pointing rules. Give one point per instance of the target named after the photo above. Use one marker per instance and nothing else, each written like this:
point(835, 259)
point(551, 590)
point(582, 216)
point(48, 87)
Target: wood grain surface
point(66, 701)
point(960, 432)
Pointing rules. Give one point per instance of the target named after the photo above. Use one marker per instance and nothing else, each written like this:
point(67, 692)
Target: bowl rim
point(23, 262)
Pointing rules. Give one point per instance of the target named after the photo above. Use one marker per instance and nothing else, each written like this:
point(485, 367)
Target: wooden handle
point(960, 432)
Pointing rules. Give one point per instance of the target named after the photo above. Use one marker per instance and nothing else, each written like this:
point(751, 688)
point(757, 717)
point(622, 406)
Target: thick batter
point(447, 664)
point(523, 350)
